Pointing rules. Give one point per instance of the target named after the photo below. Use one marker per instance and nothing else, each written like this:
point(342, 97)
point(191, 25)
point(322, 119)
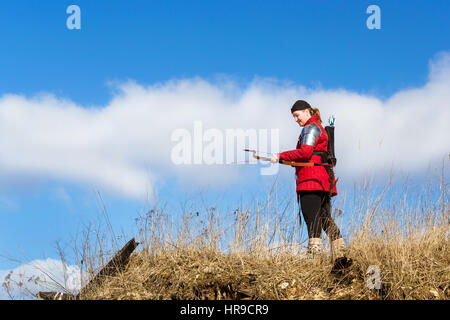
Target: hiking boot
point(341, 263)
point(338, 248)
point(314, 247)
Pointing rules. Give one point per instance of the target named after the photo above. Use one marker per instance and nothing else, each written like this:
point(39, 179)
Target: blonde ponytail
point(315, 111)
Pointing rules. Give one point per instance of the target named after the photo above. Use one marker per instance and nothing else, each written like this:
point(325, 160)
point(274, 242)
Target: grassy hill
point(255, 254)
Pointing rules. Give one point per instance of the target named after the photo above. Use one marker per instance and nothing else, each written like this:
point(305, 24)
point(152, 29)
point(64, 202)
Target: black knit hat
point(300, 105)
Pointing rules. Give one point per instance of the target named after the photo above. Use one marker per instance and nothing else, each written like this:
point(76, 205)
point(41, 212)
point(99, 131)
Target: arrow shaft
point(289, 163)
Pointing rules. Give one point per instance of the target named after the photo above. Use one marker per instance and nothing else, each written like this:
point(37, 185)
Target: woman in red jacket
point(313, 183)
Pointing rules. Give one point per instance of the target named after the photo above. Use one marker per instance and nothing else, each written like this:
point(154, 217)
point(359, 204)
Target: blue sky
point(151, 41)
point(318, 45)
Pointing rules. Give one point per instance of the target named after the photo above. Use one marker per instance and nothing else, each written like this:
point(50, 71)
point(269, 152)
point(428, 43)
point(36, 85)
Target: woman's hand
point(274, 158)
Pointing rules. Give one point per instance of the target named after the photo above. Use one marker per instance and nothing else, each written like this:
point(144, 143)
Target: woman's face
point(301, 116)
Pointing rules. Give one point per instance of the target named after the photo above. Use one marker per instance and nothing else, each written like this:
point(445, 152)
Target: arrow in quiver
point(331, 154)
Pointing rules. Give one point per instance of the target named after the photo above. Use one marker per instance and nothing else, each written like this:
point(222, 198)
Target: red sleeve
point(304, 153)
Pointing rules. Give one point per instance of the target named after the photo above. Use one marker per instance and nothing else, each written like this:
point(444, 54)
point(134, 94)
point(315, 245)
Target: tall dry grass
point(257, 251)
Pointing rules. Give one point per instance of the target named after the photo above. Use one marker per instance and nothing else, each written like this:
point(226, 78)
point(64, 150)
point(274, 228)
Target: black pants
point(315, 207)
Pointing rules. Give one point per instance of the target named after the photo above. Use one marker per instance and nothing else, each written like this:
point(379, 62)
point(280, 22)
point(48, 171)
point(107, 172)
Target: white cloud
point(125, 146)
point(39, 275)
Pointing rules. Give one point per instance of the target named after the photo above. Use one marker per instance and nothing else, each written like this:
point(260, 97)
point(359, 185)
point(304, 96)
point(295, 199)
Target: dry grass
point(411, 269)
point(254, 253)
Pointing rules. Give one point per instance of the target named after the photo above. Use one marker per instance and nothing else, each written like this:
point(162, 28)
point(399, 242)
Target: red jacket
point(315, 177)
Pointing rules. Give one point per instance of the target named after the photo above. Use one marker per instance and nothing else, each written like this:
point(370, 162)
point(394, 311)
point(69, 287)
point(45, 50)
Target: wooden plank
point(116, 264)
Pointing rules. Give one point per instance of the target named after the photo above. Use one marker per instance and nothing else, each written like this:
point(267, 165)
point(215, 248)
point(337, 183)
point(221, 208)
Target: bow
point(289, 163)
